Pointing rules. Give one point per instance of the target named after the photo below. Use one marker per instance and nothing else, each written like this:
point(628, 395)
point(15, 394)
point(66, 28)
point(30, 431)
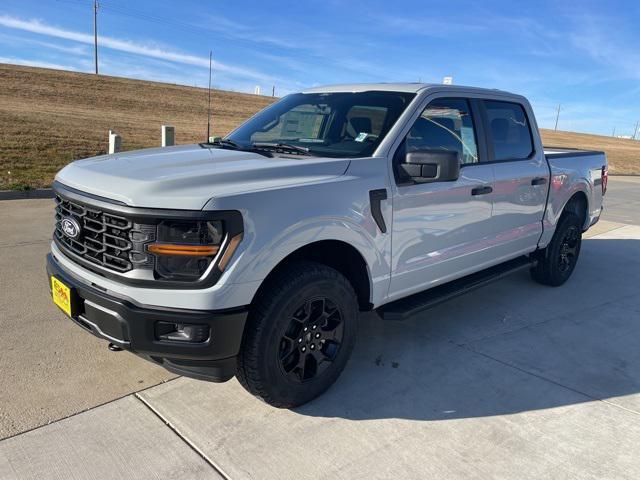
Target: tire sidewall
point(280, 314)
point(565, 224)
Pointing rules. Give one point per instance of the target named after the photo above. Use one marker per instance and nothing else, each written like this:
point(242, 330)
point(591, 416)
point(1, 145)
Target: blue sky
point(582, 54)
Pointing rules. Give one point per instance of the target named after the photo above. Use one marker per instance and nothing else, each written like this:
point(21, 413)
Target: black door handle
point(481, 190)
point(539, 181)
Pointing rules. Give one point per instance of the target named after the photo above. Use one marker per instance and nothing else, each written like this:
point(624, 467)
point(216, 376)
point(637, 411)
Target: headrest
point(361, 124)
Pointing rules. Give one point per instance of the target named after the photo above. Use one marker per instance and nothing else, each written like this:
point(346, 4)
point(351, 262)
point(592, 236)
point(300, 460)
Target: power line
point(109, 7)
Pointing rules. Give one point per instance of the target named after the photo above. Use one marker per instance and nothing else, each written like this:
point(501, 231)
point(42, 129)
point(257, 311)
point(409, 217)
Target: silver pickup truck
point(252, 255)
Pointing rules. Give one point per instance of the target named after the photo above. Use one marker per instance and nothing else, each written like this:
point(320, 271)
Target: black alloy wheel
point(312, 340)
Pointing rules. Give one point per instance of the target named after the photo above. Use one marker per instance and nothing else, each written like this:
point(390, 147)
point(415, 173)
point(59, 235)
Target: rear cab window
point(510, 132)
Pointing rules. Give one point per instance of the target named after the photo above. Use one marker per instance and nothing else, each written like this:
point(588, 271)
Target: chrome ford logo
point(70, 227)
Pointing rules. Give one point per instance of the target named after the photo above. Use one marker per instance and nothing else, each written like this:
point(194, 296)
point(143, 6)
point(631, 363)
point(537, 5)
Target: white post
point(168, 135)
point(115, 142)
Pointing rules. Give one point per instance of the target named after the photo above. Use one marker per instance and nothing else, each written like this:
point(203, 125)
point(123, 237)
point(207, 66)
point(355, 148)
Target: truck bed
point(574, 170)
point(562, 152)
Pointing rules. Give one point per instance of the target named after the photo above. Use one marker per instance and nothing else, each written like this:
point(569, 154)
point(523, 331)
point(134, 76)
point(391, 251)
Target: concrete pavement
point(515, 380)
point(49, 368)
point(120, 440)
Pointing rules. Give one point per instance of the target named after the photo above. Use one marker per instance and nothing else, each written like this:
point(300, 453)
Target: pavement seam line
point(184, 439)
point(85, 410)
point(542, 377)
point(607, 232)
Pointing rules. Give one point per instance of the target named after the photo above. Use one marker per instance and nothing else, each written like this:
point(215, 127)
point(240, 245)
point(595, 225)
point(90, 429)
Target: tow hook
point(114, 348)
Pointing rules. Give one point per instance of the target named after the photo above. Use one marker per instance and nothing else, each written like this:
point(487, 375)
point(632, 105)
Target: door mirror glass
point(425, 166)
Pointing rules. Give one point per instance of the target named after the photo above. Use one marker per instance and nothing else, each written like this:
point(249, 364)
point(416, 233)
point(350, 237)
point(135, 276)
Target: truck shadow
point(513, 346)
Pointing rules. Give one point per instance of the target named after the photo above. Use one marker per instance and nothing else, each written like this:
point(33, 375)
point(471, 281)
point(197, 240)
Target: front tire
point(299, 335)
point(557, 261)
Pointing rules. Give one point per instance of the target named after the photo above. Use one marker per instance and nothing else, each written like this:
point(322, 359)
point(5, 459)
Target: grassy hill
point(51, 117)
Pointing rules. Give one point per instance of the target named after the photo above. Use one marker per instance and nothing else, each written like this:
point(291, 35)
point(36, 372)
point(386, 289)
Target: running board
point(419, 302)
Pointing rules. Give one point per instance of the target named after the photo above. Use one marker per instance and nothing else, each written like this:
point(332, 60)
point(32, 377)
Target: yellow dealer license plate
point(61, 295)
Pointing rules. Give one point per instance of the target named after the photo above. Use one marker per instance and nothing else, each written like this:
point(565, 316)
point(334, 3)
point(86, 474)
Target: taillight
point(605, 179)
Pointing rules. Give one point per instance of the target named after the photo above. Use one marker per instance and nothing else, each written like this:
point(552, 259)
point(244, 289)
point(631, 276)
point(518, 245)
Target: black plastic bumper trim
point(132, 327)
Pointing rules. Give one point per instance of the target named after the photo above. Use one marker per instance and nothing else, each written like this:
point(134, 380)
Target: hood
point(187, 176)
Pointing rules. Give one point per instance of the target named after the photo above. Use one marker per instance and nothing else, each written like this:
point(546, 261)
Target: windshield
point(326, 124)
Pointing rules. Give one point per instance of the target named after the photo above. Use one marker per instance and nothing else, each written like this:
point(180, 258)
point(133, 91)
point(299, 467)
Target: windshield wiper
point(231, 145)
point(224, 142)
point(282, 147)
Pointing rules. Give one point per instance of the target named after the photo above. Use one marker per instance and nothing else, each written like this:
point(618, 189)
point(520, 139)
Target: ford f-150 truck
point(253, 254)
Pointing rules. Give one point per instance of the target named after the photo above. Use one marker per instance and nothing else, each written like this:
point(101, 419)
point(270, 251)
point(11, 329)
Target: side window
point(446, 124)
point(510, 131)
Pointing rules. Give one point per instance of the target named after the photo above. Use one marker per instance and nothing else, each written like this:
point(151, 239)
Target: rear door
point(521, 178)
point(440, 229)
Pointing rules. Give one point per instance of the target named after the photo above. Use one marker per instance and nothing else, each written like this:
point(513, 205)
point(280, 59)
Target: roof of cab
point(395, 87)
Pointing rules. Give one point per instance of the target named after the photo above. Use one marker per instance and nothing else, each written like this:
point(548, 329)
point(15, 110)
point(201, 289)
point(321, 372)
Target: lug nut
point(312, 347)
point(304, 349)
point(317, 335)
point(305, 329)
point(314, 327)
point(299, 340)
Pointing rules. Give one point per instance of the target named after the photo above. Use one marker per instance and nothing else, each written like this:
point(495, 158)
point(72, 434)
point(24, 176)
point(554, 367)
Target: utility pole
point(273, 91)
point(95, 33)
point(635, 130)
point(614, 132)
point(557, 117)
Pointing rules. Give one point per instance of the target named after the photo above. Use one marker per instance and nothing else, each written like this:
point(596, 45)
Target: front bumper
point(133, 327)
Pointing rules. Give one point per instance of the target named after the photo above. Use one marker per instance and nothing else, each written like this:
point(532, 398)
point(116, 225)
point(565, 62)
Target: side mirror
point(425, 166)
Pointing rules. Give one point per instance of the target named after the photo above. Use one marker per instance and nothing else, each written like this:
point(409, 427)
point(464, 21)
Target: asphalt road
point(514, 380)
point(622, 203)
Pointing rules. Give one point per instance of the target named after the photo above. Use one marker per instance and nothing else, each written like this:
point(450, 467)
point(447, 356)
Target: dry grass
point(623, 155)
point(50, 117)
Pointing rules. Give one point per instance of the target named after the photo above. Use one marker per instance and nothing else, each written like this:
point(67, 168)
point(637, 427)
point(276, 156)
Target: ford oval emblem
point(70, 227)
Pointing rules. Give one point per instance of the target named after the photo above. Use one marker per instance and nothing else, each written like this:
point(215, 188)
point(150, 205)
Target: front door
point(440, 229)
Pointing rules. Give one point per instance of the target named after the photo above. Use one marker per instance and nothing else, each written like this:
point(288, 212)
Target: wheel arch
point(578, 204)
point(336, 254)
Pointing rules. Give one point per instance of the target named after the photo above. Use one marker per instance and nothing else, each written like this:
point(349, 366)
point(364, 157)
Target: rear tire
point(557, 261)
point(299, 335)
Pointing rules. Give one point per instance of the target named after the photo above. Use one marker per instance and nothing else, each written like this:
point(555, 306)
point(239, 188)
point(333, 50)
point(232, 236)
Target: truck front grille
point(106, 240)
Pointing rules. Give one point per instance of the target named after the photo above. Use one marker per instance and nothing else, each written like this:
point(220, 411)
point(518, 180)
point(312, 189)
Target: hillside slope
point(623, 154)
point(51, 117)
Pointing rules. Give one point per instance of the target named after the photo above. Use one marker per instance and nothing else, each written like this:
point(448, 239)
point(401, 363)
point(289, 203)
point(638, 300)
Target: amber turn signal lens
point(229, 251)
point(187, 250)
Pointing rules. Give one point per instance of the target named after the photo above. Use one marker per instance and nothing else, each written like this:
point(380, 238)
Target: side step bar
point(419, 302)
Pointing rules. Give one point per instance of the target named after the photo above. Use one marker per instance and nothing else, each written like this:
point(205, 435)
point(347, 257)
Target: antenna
point(209, 101)
point(95, 33)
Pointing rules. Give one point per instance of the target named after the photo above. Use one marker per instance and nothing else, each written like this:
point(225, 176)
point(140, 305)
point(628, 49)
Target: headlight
point(185, 250)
